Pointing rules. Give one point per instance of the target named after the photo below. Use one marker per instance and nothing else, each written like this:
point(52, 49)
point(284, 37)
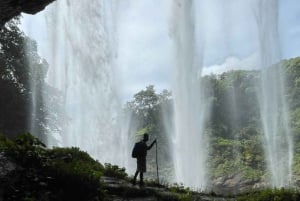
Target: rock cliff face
point(236, 184)
point(12, 8)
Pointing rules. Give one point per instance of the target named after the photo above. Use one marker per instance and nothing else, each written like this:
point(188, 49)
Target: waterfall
point(190, 107)
point(278, 141)
point(83, 56)
point(82, 52)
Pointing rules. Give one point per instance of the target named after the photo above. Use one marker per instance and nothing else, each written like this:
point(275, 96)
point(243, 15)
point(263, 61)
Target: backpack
point(137, 150)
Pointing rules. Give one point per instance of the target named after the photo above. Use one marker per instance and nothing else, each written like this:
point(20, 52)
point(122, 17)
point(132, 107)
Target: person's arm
point(151, 145)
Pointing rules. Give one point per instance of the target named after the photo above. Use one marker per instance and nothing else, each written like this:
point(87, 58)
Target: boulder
point(6, 168)
point(12, 8)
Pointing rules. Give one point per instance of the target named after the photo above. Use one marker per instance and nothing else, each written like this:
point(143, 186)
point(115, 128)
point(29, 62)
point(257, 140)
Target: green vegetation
point(234, 127)
point(271, 195)
point(54, 174)
point(237, 137)
point(114, 171)
point(147, 111)
point(179, 188)
point(77, 172)
point(23, 70)
point(70, 174)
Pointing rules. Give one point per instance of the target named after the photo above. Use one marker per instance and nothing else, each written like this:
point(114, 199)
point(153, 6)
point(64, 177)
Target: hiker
point(140, 152)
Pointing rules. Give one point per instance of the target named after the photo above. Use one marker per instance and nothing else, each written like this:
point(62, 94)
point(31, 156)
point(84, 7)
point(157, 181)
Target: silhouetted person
point(140, 152)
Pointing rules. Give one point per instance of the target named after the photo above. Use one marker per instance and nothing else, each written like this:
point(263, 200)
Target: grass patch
point(271, 195)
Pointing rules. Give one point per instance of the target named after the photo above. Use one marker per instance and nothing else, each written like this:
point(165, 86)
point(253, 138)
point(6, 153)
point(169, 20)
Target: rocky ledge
point(12, 8)
point(120, 189)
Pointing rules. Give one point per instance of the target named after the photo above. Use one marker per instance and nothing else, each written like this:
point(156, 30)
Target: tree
point(147, 110)
point(22, 86)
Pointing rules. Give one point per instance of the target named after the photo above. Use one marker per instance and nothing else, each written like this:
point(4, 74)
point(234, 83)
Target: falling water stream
point(81, 37)
point(278, 141)
point(190, 107)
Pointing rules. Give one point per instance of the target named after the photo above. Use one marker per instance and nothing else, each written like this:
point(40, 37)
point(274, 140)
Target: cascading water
point(190, 108)
point(273, 106)
point(81, 37)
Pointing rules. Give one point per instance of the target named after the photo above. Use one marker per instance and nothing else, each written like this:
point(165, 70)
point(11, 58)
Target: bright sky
point(145, 49)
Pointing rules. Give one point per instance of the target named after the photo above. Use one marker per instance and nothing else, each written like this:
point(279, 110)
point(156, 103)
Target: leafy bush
point(5, 143)
point(179, 188)
point(53, 174)
point(26, 150)
point(76, 171)
point(114, 171)
point(186, 197)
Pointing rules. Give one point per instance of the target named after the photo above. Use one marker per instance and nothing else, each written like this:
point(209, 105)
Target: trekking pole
point(156, 163)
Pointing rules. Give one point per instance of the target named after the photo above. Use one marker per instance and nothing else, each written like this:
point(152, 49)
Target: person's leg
point(135, 176)
point(141, 178)
point(137, 171)
point(142, 170)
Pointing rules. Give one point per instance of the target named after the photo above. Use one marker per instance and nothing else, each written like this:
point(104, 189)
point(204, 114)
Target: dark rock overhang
point(12, 8)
